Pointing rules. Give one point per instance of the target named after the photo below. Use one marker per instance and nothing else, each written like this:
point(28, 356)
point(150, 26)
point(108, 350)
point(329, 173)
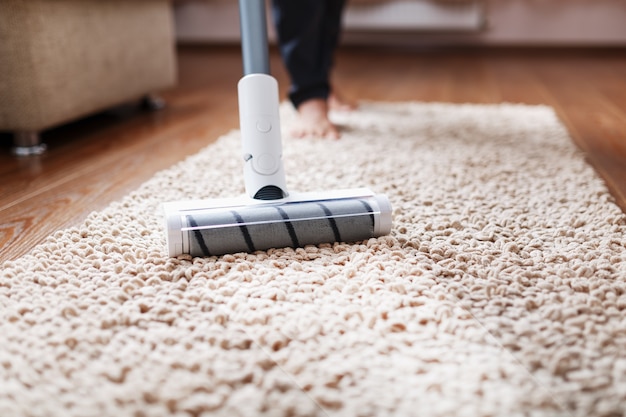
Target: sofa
point(61, 60)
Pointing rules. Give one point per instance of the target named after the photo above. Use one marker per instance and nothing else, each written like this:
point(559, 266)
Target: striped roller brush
point(217, 227)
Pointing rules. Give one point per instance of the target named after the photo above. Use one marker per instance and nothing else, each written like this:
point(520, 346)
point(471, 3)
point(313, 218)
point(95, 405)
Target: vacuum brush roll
point(217, 227)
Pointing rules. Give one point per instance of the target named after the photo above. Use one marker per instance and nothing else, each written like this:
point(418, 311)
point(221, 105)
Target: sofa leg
point(27, 142)
point(152, 102)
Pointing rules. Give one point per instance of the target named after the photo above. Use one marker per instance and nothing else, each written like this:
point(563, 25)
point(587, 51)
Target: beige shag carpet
point(500, 292)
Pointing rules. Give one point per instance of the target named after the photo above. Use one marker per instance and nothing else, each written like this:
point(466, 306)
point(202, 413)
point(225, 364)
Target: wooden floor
point(98, 160)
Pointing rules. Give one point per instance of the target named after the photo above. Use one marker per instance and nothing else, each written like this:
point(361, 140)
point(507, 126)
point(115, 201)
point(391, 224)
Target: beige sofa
point(64, 59)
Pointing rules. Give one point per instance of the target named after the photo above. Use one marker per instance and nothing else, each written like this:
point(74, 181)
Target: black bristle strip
point(289, 226)
point(369, 210)
point(244, 231)
point(198, 236)
point(331, 220)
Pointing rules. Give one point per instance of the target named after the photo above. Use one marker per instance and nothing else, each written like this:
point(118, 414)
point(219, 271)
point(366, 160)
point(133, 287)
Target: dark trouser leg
point(308, 33)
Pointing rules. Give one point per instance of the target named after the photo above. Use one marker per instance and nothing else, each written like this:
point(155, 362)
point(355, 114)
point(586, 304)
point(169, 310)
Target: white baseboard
point(422, 15)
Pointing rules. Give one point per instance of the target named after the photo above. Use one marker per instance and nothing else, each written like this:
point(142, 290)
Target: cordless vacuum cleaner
point(269, 216)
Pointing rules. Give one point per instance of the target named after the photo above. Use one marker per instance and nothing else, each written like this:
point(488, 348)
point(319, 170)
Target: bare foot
point(338, 102)
point(314, 122)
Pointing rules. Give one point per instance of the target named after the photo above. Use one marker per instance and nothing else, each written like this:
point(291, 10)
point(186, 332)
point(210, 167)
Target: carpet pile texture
point(501, 290)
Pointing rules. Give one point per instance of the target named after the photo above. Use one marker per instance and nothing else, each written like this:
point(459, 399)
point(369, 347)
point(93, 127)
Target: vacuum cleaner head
point(269, 216)
point(220, 226)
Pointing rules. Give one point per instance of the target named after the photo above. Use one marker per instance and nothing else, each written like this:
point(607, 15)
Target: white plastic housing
point(260, 133)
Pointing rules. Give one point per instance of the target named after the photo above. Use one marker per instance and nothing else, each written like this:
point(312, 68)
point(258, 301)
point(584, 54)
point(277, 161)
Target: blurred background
point(437, 22)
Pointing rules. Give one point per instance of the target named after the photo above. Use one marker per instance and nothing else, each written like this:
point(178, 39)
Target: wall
point(559, 22)
point(505, 22)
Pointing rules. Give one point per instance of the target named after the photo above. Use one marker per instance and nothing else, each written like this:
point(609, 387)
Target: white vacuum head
point(220, 226)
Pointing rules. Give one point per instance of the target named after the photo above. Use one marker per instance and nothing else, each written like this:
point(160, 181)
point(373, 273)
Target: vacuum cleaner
point(268, 216)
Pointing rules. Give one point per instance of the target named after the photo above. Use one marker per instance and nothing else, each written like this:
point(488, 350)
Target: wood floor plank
point(595, 123)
